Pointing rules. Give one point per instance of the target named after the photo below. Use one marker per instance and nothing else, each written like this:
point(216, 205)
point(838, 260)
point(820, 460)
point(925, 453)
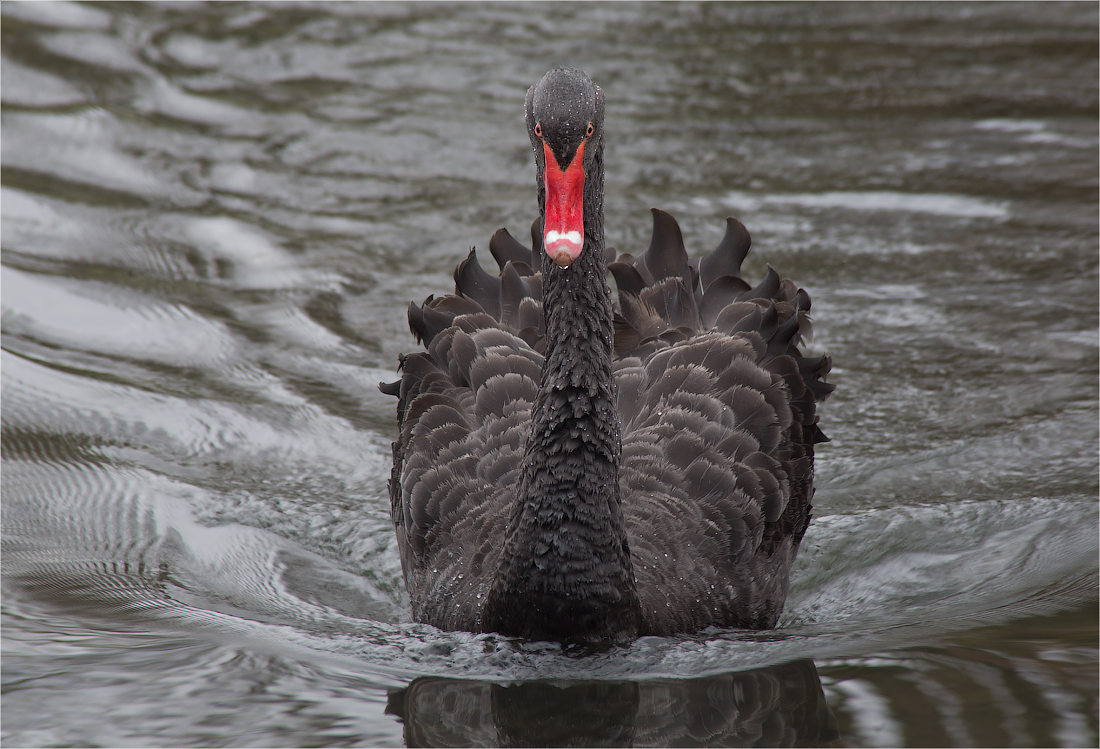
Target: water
point(214, 216)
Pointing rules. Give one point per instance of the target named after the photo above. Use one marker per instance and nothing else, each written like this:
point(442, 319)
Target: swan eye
point(589, 131)
point(538, 130)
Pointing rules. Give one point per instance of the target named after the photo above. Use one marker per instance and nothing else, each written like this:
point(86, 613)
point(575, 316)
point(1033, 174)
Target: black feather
point(726, 258)
point(721, 292)
point(426, 323)
point(766, 289)
point(472, 282)
point(666, 256)
point(627, 278)
point(507, 249)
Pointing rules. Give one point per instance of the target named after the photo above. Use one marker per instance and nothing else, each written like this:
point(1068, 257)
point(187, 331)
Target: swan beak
point(563, 229)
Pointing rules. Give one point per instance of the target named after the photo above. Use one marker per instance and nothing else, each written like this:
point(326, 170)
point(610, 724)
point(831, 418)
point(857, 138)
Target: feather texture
point(718, 414)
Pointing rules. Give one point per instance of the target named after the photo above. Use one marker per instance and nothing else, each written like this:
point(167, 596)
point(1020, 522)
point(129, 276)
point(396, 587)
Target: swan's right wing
point(463, 413)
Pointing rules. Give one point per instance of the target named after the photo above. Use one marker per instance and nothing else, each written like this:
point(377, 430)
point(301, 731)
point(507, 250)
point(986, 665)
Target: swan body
point(577, 469)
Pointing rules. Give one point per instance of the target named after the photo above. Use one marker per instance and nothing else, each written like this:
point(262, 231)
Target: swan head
point(564, 113)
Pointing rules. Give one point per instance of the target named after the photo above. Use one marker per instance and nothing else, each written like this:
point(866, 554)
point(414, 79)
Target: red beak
point(563, 229)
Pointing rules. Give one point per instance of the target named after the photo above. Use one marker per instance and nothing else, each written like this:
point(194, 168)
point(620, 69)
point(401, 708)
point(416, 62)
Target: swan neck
point(565, 571)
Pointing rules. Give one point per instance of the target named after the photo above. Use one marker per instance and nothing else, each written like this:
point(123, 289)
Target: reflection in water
point(777, 706)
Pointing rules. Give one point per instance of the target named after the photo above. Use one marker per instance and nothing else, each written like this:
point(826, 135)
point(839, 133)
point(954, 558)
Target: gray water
point(213, 217)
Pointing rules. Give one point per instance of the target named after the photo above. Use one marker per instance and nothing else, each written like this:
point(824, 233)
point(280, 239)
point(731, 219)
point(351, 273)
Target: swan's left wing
point(719, 422)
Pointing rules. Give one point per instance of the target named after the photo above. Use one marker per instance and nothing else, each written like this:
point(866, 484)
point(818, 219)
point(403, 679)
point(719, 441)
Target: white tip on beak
point(563, 247)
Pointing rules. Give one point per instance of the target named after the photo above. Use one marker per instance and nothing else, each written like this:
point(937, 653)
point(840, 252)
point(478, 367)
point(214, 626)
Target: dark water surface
point(215, 215)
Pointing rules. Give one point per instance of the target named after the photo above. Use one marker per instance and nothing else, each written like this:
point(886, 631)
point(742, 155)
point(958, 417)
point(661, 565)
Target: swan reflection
point(775, 706)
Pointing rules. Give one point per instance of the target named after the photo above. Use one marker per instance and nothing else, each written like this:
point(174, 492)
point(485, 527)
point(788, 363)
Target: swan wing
point(719, 421)
point(463, 412)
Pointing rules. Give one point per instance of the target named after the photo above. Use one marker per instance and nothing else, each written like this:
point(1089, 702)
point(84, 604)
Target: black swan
point(576, 470)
